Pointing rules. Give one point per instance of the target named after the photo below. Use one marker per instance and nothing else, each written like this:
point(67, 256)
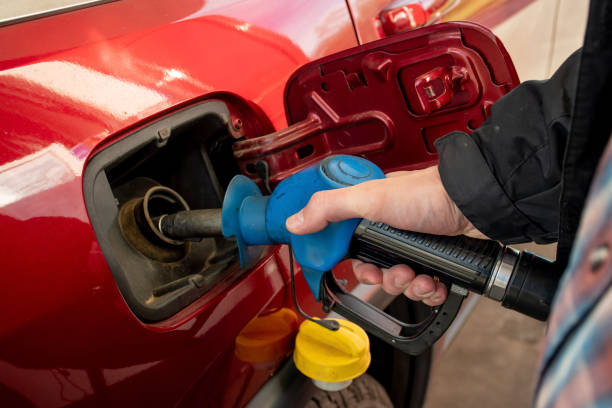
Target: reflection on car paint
point(106, 93)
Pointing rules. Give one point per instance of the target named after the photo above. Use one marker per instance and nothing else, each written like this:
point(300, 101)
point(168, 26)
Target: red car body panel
point(71, 83)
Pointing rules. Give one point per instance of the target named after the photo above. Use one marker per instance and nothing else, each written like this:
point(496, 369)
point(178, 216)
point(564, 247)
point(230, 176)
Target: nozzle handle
point(468, 262)
point(411, 338)
point(521, 281)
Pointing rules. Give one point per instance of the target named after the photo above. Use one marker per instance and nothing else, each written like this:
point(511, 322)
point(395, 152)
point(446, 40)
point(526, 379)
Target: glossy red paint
point(69, 85)
point(366, 17)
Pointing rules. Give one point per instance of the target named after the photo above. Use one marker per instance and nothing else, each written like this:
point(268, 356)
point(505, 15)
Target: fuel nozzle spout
point(164, 217)
point(190, 225)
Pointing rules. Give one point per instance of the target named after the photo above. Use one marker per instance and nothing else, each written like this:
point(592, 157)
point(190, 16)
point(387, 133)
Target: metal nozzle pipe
point(191, 225)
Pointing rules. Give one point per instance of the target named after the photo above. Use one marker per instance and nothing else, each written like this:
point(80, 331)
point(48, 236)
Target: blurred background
point(493, 361)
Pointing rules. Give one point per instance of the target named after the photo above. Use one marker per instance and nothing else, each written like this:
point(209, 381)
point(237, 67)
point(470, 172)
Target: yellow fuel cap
point(332, 358)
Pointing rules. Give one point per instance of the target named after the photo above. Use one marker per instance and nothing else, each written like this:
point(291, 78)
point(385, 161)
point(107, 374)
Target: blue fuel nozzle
point(255, 220)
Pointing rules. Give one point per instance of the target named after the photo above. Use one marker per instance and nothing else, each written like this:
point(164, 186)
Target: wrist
point(463, 225)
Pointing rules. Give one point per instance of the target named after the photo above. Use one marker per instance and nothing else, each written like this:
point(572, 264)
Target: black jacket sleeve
point(506, 175)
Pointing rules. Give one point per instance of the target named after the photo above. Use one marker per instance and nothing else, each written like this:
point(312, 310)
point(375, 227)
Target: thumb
point(325, 207)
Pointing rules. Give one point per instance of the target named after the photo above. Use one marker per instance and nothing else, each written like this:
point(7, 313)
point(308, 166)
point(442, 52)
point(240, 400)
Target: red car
point(102, 102)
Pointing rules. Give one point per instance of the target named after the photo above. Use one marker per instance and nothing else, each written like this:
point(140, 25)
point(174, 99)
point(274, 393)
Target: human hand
point(410, 200)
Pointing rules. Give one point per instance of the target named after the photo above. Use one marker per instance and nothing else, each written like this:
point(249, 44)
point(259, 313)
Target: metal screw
point(236, 127)
point(430, 91)
point(599, 257)
point(163, 135)
point(237, 123)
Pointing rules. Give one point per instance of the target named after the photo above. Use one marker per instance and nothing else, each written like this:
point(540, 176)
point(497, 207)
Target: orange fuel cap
point(268, 337)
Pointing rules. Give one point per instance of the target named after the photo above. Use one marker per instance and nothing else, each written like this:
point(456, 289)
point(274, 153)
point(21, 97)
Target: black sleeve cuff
point(473, 187)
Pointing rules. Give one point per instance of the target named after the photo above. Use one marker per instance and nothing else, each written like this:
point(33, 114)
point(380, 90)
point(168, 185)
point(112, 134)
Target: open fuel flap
point(387, 101)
